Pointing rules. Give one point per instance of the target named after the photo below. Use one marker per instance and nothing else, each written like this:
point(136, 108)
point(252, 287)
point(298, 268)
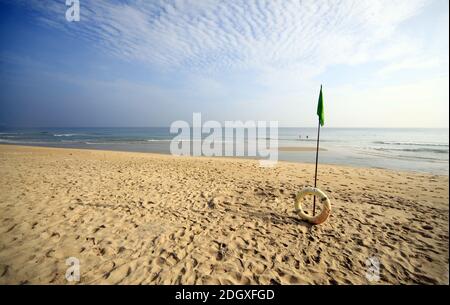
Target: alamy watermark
point(257, 139)
point(73, 272)
point(373, 269)
point(73, 12)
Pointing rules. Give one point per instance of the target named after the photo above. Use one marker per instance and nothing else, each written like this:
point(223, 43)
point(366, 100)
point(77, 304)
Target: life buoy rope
point(326, 209)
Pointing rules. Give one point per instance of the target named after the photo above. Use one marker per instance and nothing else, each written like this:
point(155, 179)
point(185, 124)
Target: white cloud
point(288, 44)
point(299, 36)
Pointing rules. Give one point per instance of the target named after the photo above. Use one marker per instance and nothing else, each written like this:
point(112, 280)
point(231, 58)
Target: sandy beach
point(136, 218)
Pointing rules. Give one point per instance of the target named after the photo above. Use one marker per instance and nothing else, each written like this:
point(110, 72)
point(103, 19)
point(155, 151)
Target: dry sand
point(157, 219)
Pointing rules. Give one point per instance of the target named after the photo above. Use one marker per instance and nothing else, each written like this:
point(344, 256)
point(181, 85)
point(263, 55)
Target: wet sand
point(299, 149)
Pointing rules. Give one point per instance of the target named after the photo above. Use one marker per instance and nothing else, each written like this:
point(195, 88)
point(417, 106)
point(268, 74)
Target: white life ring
point(326, 209)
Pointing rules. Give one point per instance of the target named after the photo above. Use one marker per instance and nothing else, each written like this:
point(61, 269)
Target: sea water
point(422, 150)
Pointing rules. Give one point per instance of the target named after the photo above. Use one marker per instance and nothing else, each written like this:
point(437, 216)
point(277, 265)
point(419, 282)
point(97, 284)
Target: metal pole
point(315, 175)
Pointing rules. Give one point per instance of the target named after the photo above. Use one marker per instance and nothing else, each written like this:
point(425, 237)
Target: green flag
point(320, 111)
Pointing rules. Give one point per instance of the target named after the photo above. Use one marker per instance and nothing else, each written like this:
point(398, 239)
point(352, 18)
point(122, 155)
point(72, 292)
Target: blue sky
point(383, 63)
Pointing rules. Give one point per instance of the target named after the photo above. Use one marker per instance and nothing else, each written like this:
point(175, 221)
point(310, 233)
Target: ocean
point(420, 150)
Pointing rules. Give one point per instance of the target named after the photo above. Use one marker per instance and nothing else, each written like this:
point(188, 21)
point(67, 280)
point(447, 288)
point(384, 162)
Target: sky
point(382, 63)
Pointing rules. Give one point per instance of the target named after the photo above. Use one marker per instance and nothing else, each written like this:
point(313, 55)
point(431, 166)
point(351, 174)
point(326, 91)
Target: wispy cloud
point(303, 36)
point(251, 59)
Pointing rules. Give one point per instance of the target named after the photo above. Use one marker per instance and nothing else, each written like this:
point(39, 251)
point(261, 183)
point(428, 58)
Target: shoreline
point(417, 150)
point(356, 166)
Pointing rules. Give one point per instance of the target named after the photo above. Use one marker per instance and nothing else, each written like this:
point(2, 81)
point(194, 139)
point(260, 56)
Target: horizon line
point(333, 127)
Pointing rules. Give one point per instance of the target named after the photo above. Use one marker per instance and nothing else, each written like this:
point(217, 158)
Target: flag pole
point(315, 175)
